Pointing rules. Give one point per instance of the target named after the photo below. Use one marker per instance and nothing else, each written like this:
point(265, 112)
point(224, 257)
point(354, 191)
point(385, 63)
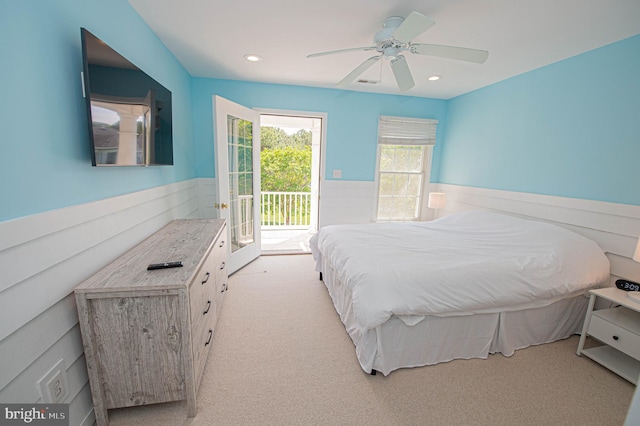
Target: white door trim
point(318, 174)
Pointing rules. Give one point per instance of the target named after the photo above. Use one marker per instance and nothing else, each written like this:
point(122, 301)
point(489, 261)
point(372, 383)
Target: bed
point(464, 286)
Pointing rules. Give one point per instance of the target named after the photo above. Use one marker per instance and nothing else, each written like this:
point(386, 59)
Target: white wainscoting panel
point(43, 257)
point(207, 197)
point(344, 201)
point(615, 227)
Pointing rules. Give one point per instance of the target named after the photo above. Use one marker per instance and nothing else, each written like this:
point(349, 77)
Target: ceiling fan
point(394, 38)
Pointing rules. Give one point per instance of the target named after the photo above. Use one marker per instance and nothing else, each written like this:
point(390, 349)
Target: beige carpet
point(281, 356)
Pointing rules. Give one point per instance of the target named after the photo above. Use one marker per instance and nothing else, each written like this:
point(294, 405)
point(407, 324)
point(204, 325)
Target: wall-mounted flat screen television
point(129, 113)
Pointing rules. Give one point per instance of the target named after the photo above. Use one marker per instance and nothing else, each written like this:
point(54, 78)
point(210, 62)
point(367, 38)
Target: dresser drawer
point(220, 254)
point(220, 247)
point(201, 348)
point(202, 290)
point(615, 336)
point(202, 340)
point(200, 328)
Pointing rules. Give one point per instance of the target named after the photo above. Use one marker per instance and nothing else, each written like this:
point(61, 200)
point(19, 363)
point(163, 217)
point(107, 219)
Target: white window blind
point(406, 131)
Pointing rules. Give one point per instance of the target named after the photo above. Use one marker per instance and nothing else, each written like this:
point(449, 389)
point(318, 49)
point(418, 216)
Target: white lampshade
point(437, 200)
point(636, 254)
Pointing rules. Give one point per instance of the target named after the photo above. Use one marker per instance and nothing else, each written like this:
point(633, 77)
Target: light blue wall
point(568, 129)
point(45, 159)
point(352, 123)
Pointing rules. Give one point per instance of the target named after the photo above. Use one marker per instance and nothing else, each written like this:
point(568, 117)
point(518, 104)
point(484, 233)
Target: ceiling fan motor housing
point(389, 26)
point(392, 22)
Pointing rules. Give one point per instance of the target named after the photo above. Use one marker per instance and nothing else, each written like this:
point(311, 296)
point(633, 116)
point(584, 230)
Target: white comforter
point(461, 264)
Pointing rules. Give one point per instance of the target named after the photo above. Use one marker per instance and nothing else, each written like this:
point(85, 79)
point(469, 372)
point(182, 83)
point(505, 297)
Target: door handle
point(221, 206)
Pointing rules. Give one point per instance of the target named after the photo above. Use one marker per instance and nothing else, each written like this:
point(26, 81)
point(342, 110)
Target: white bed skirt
point(395, 345)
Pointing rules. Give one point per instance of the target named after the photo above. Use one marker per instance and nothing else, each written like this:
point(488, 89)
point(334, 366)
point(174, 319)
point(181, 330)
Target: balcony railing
point(278, 210)
point(291, 210)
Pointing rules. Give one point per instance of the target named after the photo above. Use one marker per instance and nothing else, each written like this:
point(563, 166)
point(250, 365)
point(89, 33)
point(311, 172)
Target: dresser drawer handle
point(221, 243)
point(206, 278)
point(224, 288)
point(210, 337)
point(222, 267)
point(615, 337)
point(208, 307)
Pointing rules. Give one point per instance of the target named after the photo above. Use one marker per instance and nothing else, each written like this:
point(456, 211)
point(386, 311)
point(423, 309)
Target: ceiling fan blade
point(413, 25)
point(402, 73)
point(359, 70)
point(352, 49)
point(460, 53)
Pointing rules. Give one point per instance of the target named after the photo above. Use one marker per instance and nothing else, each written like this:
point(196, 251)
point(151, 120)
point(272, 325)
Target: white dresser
point(147, 333)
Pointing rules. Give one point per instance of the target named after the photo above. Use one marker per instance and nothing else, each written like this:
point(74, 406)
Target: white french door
point(237, 150)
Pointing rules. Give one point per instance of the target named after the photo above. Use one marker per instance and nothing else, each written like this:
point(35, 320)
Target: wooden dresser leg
point(102, 416)
point(192, 407)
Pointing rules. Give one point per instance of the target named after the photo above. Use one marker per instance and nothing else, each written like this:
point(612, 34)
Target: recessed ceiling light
point(434, 78)
point(252, 58)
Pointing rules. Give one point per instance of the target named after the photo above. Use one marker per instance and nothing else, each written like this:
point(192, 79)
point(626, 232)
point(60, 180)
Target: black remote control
point(165, 265)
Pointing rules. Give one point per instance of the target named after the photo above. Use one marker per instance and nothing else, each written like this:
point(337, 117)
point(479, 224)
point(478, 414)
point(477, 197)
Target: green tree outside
point(285, 166)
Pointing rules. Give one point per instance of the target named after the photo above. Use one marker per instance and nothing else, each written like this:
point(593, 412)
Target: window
point(404, 160)
point(401, 178)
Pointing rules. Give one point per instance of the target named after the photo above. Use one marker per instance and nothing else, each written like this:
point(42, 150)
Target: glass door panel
point(238, 129)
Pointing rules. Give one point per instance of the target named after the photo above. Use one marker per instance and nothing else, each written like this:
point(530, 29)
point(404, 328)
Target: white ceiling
point(210, 37)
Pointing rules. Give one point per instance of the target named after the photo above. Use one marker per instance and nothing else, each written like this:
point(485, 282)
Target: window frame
point(404, 131)
point(425, 172)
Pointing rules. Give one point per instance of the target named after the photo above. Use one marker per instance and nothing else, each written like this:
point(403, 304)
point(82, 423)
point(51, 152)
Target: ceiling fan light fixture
point(252, 58)
point(390, 52)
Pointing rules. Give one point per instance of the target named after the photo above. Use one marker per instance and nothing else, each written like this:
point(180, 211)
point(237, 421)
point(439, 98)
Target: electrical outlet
point(337, 173)
point(53, 385)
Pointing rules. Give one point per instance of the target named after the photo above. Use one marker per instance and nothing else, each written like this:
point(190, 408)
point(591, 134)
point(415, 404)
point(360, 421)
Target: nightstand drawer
point(615, 336)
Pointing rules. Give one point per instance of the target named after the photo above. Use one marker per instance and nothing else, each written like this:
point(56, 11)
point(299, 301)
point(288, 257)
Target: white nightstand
point(618, 328)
